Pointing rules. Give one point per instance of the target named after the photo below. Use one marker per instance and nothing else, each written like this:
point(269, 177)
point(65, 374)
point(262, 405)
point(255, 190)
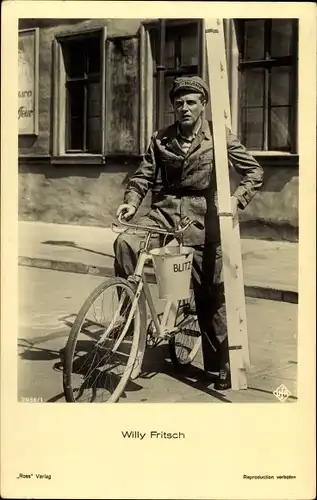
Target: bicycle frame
point(164, 327)
point(140, 278)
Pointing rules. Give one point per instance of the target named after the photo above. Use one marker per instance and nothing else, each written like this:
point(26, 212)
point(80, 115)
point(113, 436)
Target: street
point(49, 300)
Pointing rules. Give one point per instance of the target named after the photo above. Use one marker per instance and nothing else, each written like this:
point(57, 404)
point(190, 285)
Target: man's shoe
point(223, 382)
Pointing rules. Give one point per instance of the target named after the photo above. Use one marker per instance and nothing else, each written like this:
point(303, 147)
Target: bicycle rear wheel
point(103, 344)
point(184, 345)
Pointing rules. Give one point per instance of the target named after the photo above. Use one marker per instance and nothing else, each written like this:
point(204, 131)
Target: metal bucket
point(173, 266)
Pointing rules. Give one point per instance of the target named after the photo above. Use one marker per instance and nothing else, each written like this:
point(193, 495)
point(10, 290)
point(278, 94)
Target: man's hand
point(126, 211)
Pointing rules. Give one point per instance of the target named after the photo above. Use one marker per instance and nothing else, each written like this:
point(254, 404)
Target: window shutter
point(142, 73)
point(103, 90)
point(55, 94)
point(59, 101)
point(147, 112)
point(122, 96)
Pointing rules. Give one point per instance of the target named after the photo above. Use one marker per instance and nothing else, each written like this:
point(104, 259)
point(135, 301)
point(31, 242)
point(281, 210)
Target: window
point(268, 84)
point(83, 94)
point(176, 49)
point(79, 77)
point(82, 62)
point(96, 97)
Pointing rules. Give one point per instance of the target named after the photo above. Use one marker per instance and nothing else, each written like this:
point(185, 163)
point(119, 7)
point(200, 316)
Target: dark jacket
point(185, 183)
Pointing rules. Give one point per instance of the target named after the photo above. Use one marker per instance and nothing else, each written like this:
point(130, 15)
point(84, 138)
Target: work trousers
point(208, 290)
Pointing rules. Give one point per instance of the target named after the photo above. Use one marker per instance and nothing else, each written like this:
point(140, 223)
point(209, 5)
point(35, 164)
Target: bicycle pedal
point(191, 312)
point(170, 335)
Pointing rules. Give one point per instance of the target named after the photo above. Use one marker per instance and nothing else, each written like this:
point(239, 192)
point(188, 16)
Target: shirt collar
point(195, 133)
point(173, 130)
point(205, 128)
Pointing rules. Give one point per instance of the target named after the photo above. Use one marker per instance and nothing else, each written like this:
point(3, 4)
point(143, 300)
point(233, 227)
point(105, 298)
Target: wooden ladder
point(229, 226)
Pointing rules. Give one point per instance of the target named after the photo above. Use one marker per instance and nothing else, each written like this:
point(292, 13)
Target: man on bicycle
point(179, 169)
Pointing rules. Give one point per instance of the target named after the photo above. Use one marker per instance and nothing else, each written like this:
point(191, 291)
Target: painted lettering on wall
point(27, 113)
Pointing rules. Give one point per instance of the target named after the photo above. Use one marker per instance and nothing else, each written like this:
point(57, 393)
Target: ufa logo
point(282, 393)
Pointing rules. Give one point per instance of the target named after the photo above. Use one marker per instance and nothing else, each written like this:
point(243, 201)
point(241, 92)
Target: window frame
point(82, 82)
point(146, 87)
point(232, 31)
point(266, 64)
point(59, 151)
point(156, 68)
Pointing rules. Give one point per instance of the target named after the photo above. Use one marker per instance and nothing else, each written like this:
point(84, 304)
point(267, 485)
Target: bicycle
point(99, 366)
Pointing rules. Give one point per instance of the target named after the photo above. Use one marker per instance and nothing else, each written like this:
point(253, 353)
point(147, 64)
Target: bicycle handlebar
point(184, 224)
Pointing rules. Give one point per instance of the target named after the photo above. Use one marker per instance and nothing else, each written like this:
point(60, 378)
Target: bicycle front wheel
point(103, 344)
point(185, 344)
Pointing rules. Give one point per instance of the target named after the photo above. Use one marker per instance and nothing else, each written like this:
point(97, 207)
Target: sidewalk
point(270, 268)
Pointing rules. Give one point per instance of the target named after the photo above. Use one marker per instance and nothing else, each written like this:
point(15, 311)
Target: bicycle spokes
point(105, 347)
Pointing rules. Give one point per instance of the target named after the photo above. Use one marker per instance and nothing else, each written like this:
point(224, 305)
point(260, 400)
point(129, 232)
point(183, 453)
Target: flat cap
point(190, 83)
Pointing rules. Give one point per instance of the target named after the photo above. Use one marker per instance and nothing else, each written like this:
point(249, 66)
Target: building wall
point(72, 194)
point(273, 212)
point(42, 144)
point(90, 194)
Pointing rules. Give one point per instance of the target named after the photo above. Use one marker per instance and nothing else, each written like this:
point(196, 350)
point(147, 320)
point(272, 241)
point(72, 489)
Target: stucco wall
point(89, 195)
point(86, 195)
point(273, 212)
